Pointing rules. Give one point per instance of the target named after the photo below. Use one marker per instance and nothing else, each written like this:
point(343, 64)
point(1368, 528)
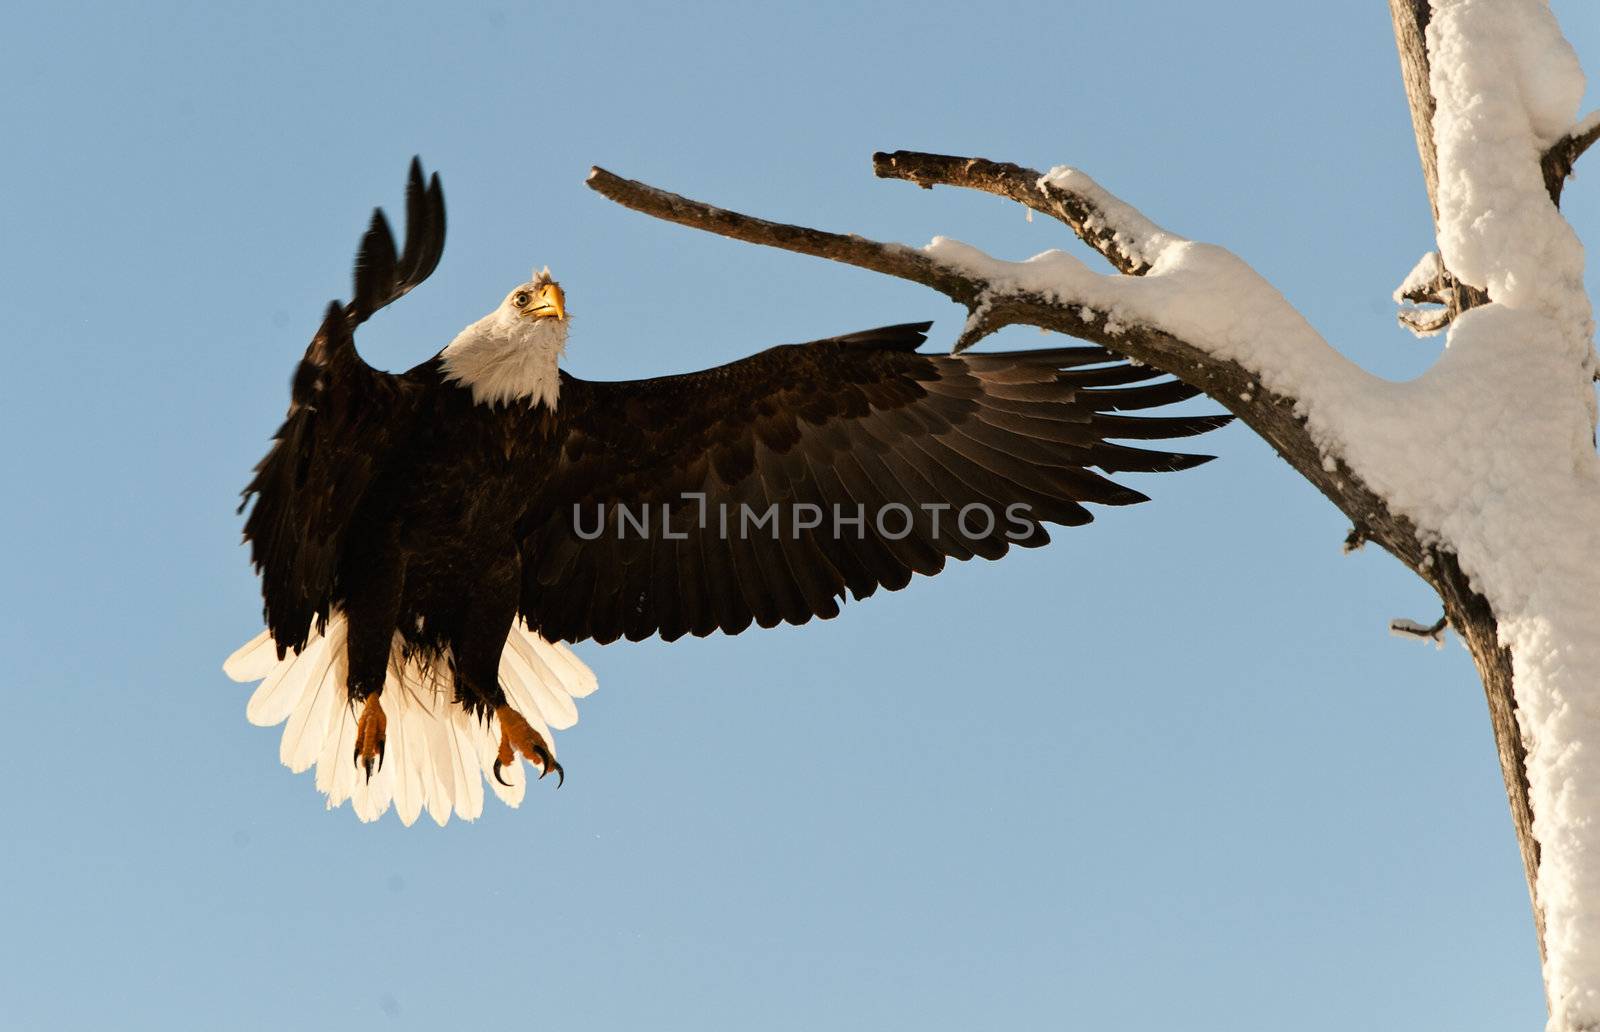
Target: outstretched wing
point(344, 419)
point(939, 457)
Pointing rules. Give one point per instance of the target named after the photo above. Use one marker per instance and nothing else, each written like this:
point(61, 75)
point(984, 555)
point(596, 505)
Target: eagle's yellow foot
point(370, 730)
point(518, 736)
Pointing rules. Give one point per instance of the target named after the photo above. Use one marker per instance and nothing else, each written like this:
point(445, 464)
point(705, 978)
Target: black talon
point(497, 776)
point(547, 763)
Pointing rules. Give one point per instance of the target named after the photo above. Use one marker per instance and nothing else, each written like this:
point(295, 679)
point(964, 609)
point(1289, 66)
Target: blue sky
point(1172, 764)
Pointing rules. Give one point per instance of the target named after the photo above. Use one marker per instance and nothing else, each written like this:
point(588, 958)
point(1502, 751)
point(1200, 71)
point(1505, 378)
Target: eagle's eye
point(521, 299)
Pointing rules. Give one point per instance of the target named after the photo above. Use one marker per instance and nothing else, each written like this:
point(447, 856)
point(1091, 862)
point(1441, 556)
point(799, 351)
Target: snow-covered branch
point(1118, 231)
point(1426, 284)
point(1194, 310)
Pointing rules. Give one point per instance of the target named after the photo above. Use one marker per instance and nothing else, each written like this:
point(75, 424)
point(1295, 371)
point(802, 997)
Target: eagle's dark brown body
point(434, 552)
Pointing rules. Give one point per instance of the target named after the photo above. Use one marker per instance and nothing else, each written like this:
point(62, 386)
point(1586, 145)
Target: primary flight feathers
point(862, 420)
point(419, 522)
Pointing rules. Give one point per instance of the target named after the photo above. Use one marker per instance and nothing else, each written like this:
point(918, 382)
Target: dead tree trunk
point(1132, 245)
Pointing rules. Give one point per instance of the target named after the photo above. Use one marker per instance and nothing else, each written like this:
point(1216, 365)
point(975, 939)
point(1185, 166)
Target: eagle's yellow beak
point(549, 301)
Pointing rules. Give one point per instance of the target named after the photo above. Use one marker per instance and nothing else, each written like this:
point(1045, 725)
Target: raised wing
point(382, 275)
point(344, 420)
point(858, 425)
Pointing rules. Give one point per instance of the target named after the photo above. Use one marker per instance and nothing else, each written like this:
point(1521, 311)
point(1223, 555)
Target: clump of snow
point(1422, 276)
point(1490, 452)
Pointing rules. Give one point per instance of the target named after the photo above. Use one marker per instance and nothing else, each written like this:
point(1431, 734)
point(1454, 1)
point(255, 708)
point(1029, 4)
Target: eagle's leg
point(372, 608)
point(371, 731)
point(477, 651)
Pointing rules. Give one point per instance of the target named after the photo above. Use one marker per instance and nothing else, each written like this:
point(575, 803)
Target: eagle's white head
point(513, 353)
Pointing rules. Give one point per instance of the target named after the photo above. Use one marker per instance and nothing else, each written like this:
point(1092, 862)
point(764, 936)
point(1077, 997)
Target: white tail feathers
point(437, 757)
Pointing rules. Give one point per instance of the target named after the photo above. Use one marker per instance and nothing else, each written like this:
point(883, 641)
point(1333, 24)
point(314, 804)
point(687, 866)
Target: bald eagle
point(429, 541)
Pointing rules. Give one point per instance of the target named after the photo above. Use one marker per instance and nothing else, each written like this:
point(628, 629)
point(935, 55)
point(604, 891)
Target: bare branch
point(1434, 293)
point(891, 259)
point(1083, 212)
point(1403, 628)
point(1559, 159)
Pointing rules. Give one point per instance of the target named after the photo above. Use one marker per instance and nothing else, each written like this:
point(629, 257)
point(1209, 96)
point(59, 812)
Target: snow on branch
point(1506, 85)
point(1118, 231)
point(1426, 284)
point(1177, 292)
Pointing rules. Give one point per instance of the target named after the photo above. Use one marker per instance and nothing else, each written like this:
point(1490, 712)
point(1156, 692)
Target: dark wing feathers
point(381, 275)
point(344, 421)
point(858, 421)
